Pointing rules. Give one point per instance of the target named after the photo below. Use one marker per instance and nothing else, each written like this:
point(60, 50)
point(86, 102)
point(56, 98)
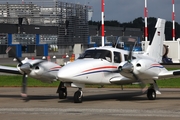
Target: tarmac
point(42, 103)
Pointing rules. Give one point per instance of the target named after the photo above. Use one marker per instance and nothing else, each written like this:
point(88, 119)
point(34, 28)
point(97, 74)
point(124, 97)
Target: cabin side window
point(108, 56)
point(97, 54)
point(117, 57)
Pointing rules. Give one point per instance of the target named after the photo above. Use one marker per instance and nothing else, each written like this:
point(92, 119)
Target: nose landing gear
point(78, 96)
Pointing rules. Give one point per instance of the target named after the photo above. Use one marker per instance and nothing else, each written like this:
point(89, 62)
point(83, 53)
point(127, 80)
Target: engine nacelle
point(145, 69)
point(38, 70)
point(140, 69)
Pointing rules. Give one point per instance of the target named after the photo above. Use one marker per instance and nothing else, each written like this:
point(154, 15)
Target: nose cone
point(69, 72)
point(64, 73)
point(75, 71)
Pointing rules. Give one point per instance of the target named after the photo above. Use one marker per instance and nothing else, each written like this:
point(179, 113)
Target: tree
point(139, 23)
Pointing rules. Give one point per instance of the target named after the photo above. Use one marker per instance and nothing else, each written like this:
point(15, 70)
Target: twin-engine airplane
point(109, 65)
point(39, 69)
point(100, 65)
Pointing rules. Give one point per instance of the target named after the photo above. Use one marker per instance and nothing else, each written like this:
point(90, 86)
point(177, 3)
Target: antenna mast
point(102, 21)
point(145, 18)
point(173, 19)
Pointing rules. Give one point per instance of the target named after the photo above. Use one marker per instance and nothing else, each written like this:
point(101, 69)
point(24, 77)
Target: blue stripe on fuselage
point(94, 72)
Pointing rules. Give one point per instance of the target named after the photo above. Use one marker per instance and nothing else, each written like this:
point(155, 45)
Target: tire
point(63, 93)
point(151, 94)
point(78, 97)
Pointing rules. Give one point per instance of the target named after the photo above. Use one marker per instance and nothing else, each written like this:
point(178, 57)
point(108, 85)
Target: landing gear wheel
point(78, 97)
point(151, 94)
point(62, 93)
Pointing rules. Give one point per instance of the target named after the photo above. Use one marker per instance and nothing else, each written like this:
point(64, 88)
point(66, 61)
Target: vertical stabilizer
point(155, 48)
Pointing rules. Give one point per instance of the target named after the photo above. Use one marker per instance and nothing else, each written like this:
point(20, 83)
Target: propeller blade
point(24, 85)
point(142, 84)
point(11, 51)
point(130, 53)
point(37, 63)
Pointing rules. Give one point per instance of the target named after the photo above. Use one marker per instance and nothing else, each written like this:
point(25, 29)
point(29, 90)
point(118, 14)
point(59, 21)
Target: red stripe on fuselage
point(56, 67)
point(100, 68)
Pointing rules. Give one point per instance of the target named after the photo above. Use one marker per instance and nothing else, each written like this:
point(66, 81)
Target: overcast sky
point(124, 10)
point(128, 10)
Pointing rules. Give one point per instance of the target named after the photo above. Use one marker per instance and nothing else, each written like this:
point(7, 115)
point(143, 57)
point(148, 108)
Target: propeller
point(128, 68)
point(25, 68)
point(11, 51)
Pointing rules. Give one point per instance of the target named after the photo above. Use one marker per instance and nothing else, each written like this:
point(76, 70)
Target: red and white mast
point(102, 21)
point(22, 1)
point(173, 19)
point(145, 19)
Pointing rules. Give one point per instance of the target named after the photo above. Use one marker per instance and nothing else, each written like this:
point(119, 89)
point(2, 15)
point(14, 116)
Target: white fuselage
point(89, 70)
point(94, 67)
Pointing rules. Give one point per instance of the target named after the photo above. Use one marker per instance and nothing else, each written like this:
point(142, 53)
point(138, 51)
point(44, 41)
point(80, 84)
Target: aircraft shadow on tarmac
point(30, 97)
point(116, 96)
point(122, 96)
point(128, 96)
point(37, 97)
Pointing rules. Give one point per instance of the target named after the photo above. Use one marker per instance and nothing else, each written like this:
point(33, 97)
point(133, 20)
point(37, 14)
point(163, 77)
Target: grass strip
point(16, 81)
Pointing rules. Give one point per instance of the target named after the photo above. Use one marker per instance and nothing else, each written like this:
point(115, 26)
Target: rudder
point(155, 47)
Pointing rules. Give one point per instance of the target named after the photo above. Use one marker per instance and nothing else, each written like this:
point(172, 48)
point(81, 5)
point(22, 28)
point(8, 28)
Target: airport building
point(42, 28)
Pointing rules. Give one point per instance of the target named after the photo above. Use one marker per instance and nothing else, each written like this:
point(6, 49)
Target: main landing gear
point(152, 91)
point(151, 94)
point(62, 90)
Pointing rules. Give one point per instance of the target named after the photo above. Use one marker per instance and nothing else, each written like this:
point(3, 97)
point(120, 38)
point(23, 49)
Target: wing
point(169, 74)
point(11, 70)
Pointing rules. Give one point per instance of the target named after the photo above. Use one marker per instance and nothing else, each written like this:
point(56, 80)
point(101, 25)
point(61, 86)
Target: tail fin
point(155, 47)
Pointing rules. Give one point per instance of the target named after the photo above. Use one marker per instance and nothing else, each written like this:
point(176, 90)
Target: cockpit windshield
point(96, 54)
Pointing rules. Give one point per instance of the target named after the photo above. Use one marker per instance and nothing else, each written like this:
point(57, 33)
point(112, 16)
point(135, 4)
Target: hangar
point(42, 28)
